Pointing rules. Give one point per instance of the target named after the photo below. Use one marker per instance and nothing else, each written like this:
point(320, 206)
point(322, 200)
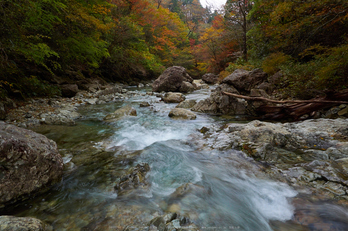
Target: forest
point(44, 43)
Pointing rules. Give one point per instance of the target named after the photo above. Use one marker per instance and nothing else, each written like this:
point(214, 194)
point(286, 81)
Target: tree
point(313, 37)
point(236, 13)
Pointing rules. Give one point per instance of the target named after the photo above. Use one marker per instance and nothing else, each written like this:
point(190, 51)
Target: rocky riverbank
point(62, 110)
point(311, 154)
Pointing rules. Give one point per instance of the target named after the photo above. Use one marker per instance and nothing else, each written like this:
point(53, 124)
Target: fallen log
point(284, 101)
point(294, 109)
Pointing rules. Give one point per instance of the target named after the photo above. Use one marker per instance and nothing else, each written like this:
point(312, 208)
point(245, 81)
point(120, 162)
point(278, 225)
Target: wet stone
point(135, 178)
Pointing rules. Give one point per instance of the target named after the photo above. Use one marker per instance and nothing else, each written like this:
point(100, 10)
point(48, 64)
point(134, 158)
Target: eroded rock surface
point(28, 162)
point(311, 153)
point(10, 223)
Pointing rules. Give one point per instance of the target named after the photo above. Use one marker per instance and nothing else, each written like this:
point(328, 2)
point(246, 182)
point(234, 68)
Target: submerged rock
point(172, 221)
point(28, 162)
point(172, 80)
point(10, 223)
point(180, 113)
point(135, 178)
point(121, 112)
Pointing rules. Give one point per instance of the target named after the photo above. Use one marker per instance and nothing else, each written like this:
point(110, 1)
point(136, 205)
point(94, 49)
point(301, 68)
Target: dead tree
point(294, 109)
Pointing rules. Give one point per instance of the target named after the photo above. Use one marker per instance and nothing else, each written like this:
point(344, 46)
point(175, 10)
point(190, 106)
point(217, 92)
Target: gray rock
point(186, 87)
point(110, 90)
point(171, 97)
point(244, 80)
point(180, 113)
point(210, 78)
point(311, 153)
point(144, 104)
point(28, 162)
point(219, 103)
point(199, 84)
point(171, 79)
point(187, 104)
point(69, 90)
point(11, 223)
point(276, 79)
point(121, 112)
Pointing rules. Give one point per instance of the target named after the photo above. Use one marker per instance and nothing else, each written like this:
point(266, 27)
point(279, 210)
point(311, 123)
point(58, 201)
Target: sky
point(216, 3)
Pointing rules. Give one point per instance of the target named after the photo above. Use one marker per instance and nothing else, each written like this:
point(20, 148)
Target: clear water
point(224, 191)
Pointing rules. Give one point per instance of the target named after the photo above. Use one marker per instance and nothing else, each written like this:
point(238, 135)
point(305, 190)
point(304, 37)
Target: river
point(226, 191)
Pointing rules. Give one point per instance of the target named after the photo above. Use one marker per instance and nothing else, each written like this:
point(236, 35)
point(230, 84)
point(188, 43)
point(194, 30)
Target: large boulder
point(11, 223)
point(181, 113)
point(219, 103)
point(28, 162)
point(210, 78)
point(69, 90)
point(171, 80)
point(244, 80)
point(171, 97)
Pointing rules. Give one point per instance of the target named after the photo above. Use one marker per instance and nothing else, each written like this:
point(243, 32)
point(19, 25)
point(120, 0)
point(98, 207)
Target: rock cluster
point(311, 153)
point(239, 82)
point(62, 111)
point(172, 221)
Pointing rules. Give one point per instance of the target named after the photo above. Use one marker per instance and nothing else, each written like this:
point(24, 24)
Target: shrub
point(273, 62)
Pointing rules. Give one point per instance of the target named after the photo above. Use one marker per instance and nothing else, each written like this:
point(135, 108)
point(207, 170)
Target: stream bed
point(217, 190)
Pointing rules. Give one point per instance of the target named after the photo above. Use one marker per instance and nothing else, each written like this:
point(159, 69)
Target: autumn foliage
point(46, 43)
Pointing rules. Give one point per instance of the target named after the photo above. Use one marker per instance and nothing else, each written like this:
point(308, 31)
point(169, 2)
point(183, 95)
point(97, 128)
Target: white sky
point(215, 3)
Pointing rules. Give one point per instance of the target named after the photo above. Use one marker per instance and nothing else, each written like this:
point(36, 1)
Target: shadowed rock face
point(210, 78)
point(172, 80)
point(28, 162)
point(244, 80)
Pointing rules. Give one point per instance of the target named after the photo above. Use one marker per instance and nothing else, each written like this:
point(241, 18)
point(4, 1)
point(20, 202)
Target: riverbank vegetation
point(45, 43)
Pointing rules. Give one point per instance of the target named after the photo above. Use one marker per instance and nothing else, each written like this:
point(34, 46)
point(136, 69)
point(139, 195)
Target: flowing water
point(220, 190)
